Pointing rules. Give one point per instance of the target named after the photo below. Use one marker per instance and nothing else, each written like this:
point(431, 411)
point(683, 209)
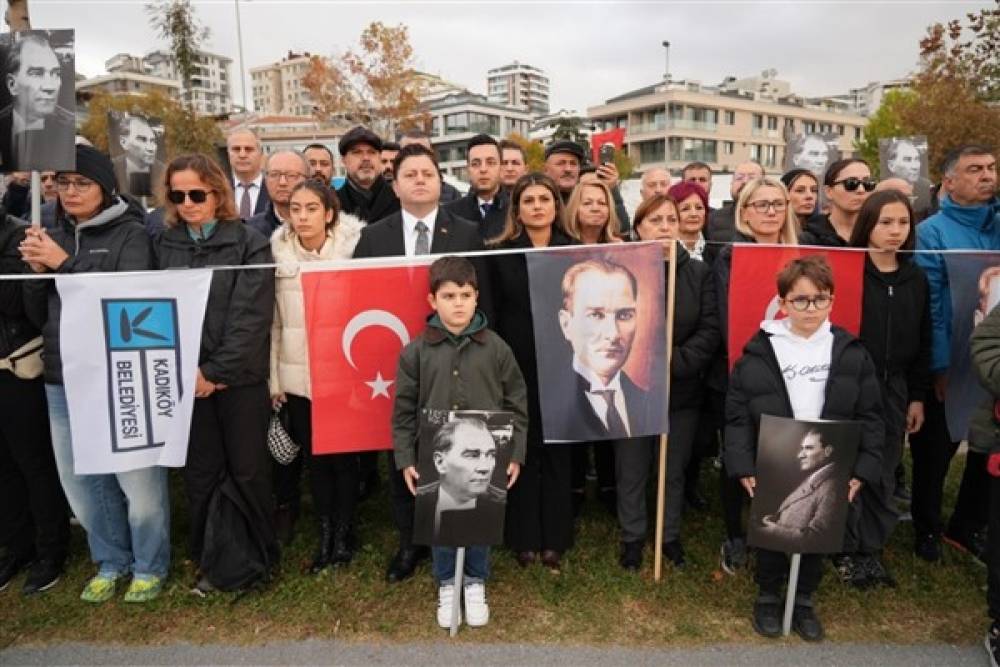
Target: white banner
point(129, 345)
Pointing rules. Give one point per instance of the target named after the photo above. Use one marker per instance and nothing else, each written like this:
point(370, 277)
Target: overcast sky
point(590, 50)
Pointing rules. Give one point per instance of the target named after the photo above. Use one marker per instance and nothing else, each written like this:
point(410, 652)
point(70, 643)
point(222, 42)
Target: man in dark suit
point(462, 508)
point(364, 193)
point(35, 132)
point(596, 400)
point(485, 202)
point(420, 227)
point(136, 168)
point(806, 517)
point(283, 171)
point(246, 159)
point(449, 193)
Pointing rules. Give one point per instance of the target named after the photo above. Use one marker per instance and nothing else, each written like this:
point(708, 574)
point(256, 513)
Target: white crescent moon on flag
point(372, 318)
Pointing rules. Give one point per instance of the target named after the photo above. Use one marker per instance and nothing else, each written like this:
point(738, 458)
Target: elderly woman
point(228, 444)
point(692, 209)
point(126, 515)
point(315, 231)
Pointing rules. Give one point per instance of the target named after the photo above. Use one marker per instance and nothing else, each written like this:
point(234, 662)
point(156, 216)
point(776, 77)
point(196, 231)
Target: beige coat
point(289, 348)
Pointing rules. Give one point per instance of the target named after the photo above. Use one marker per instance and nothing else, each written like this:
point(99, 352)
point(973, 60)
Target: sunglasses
point(853, 183)
point(196, 196)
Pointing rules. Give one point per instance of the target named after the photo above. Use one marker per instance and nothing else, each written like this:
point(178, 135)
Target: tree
point(376, 85)
point(184, 130)
point(570, 128)
point(953, 97)
point(883, 124)
point(534, 152)
point(624, 163)
point(175, 22)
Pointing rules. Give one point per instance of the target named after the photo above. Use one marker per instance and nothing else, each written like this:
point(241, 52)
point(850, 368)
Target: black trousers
point(604, 464)
point(403, 504)
point(633, 457)
point(287, 480)
point(229, 436)
point(993, 549)
point(540, 506)
point(772, 574)
point(333, 477)
point(33, 517)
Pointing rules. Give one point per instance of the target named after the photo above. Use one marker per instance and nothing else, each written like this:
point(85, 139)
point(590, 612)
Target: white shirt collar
point(595, 382)
point(254, 183)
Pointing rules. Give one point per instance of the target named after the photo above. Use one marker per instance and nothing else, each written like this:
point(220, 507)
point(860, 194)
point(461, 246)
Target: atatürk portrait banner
point(800, 501)
point(600, 340)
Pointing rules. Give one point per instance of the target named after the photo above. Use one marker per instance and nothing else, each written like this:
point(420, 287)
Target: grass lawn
point(593, 601)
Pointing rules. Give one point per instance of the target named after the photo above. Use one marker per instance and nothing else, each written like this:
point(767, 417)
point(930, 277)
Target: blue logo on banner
point(144, 378)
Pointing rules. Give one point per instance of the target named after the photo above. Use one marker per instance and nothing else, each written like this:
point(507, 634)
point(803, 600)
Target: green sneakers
point(99, 589)
point(144, 589)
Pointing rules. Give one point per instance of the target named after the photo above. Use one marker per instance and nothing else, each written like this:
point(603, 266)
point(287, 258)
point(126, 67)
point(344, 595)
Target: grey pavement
point(781, 654)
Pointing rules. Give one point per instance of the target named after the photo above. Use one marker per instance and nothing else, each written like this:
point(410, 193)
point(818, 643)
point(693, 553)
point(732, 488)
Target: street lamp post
point(239, 41)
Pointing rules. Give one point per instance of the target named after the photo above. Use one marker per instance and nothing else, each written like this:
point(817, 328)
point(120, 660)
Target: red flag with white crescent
point(753, 291)
point(357, 323)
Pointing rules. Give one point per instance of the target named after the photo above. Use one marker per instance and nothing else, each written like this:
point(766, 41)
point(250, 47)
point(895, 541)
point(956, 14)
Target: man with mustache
point(365, 192)
point(599, 319)
point(35, 132)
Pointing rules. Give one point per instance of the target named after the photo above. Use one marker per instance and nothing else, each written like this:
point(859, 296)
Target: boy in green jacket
point(457, 364)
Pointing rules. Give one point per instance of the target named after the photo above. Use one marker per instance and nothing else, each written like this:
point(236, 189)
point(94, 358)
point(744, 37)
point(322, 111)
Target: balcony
point(769, 134)
point(687, 124)
point(647, 128)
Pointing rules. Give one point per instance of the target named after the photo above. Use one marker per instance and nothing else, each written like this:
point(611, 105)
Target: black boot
point(323, 553)
point(343, 545)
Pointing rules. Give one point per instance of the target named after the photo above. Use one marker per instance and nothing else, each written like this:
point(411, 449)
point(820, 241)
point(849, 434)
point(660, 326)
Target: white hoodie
point(804, 363)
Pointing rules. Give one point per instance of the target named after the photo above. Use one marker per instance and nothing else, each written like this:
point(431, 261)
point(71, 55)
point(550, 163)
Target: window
point(857, 133)
point(772, 122)
point(728, 147)
point(730, 118)
point(809, 127)
point(691, 150)
point(770, 156)
point(840, 130)
point(758, 121)
point(755, 152)
point(651, 151)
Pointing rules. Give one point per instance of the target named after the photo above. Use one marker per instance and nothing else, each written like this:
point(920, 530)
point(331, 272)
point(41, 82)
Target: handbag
point(279, 443)
point(26, 361)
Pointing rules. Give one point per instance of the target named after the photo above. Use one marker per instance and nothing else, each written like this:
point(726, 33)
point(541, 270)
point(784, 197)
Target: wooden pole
point(661, 481)
point(793, 585)
point(456, 597)
point(36, 199)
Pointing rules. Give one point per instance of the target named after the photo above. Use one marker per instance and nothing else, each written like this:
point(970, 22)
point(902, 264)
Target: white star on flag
point(380, 387)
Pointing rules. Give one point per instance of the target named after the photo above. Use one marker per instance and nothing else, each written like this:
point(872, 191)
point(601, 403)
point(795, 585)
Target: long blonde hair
point(788, 235)
point(609, 233)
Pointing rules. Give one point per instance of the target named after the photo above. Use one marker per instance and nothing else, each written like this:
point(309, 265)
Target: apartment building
point(279, 88)
point(671, 123)
point(519, 85)
point(211, 86)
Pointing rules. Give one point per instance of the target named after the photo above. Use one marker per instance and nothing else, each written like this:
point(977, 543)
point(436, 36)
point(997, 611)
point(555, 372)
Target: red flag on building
point(357, 322)
point(753, 294)
point(614, 136)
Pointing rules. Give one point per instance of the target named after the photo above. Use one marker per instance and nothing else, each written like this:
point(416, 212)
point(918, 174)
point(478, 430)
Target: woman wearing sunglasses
point(126, 515)
point(232, 406)
point(896, 331)
point(762, 215)
point(846, 186)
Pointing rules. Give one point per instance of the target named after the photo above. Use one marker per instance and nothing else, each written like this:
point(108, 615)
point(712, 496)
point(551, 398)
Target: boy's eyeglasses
point(802, 303)
point(853, 183)
point(196, 196)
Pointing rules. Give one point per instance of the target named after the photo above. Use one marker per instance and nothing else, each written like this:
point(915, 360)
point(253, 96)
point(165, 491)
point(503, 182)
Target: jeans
point(126, 515)
point(476, 570)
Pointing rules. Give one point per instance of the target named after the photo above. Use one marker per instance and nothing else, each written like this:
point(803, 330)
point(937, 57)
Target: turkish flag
point(614, 136)
point(357, 322)
point(753, 292)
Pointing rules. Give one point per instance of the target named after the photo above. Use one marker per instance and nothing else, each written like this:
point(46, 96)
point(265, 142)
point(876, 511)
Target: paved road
point(458, 653)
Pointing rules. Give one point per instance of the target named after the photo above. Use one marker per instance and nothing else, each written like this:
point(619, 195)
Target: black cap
point(359, 135)
point(566, 146)
point(96, 166)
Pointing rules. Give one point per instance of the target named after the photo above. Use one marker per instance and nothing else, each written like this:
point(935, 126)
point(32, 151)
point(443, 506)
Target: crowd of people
point(254, 359)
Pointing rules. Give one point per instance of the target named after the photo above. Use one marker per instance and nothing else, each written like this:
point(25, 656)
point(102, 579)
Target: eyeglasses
point(802, 303)
point(762, 206)
point(287, 175)
point(196, 196)
point(79, 184)
point(853, 183)
point(47, 177)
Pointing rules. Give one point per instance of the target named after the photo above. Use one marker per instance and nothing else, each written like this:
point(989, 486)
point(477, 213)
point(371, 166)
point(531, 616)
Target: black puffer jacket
point(896, 325)
point(236, 335)
point(15, 328)
point(819, 231)
point(113, 240)
point(696, 331)
point(757, 388)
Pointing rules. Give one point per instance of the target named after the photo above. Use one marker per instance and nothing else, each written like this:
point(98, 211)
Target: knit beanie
point(96, 166)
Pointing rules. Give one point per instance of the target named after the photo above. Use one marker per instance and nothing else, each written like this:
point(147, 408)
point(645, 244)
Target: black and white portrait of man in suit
point(137, 148)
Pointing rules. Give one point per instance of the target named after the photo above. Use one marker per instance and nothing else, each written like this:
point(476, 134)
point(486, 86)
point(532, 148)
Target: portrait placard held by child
point(800, 367)
point(457, 364)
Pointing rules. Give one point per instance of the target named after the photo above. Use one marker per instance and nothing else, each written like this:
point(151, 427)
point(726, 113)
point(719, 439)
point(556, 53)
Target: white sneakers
point(477, 612)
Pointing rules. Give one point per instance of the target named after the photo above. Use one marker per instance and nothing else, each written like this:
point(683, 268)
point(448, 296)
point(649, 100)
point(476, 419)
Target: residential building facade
point(279, 88)
point(672, 123)
point(211, 86)
point(519, 85)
